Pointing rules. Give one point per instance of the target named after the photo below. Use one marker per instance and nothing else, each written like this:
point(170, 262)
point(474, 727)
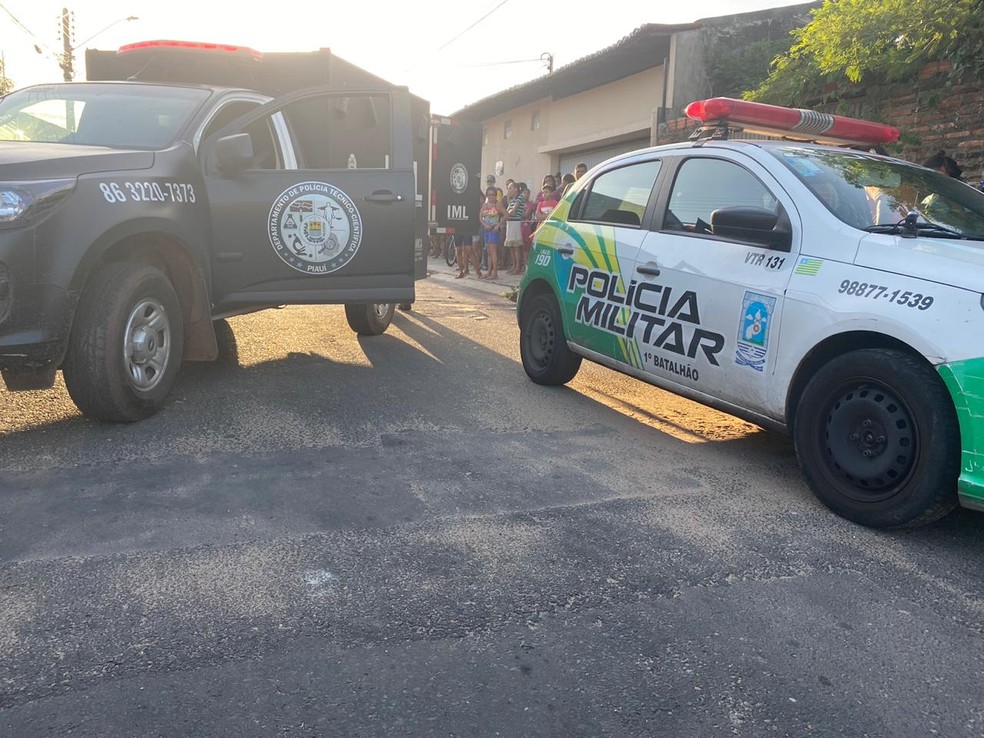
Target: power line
point(444, 46)
point(497, 64)
point(23, 27)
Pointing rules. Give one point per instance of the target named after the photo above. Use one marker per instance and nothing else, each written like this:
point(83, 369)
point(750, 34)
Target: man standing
point(579, 170)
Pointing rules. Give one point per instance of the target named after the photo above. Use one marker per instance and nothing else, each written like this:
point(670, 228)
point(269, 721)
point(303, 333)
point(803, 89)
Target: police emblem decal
point(315, 228)
point(459, 178)
point(753, 330)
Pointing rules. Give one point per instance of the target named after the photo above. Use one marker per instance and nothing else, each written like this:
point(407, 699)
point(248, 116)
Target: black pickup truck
point(135, 213)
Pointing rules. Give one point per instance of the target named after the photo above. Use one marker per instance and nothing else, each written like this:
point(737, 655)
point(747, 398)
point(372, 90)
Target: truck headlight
point(22, 202)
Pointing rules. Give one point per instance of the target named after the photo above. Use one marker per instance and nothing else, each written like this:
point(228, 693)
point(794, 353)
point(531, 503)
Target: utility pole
point(67, 62)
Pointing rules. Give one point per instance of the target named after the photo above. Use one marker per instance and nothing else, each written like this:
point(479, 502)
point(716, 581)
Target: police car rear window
point(115, 115)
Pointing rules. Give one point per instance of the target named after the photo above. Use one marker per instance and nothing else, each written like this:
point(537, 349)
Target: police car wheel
point(126, 343)
point(542, 346)
point(370, 320)
point(878, 439)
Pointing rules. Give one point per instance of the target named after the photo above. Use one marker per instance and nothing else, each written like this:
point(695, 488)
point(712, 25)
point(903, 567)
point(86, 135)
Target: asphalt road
point(401, 535)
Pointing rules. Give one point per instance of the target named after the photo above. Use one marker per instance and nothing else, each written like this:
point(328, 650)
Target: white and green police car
point(825, 292)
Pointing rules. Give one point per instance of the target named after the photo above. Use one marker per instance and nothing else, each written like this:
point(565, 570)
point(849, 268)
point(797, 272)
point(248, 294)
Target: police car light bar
point(775, 120)
point(242, 51)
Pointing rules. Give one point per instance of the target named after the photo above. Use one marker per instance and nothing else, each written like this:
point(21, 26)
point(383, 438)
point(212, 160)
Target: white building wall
point(619, 111)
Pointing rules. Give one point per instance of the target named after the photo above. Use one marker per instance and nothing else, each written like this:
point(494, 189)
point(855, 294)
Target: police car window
point(341, 131)
point(705, 185)
point(875, 193)
point(620, 196)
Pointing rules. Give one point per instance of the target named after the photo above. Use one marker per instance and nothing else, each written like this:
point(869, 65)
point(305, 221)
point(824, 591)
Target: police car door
point(312, 201)
point(598, 244)
point(714, 272)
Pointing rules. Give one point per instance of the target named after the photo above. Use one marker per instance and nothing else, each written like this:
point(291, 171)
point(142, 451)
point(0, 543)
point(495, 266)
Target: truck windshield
point(876, 194)
point(127, 115)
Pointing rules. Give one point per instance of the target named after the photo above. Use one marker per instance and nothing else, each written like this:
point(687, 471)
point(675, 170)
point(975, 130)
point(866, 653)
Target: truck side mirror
point(234, 154)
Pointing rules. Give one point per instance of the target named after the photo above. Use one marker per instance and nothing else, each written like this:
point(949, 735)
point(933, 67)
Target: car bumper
point(965, 381)
point(34, 316)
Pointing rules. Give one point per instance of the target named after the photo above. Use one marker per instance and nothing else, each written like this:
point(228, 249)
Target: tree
point(885, 40)
point(6, 83)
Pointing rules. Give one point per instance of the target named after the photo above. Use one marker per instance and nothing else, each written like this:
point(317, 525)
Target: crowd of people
point(508, 220)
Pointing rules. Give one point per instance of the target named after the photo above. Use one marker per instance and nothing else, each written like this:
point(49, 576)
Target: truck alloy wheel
point(126, 343)
point(370, 319)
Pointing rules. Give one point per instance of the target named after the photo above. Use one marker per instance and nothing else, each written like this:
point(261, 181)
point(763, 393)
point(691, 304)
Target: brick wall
point(933, 117)
point(930, 115)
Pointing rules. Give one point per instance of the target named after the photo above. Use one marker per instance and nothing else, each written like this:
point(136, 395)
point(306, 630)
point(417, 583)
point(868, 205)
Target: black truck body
point(135, 213)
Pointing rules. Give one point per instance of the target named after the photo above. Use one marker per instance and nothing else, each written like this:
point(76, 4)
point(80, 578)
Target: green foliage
point(731, 71)
point(887, 40)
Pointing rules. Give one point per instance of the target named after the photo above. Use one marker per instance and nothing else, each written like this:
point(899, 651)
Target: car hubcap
point(147, 345)
point(541, 338)
point(871, 441)
point(380, 309)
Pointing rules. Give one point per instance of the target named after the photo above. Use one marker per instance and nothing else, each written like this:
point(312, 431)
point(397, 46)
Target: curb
point(439, 271)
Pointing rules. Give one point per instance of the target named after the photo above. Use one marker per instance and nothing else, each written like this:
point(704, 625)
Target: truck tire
point(126, 344)
point(370, 320)
point(878, 439)
point(542, 347)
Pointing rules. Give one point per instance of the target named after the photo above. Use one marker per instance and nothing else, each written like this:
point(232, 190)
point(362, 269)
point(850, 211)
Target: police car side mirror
point(758, 225)
point(233, 154)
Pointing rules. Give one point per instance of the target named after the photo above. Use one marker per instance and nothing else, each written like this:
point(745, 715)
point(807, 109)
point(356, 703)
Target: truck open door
point(312, 201)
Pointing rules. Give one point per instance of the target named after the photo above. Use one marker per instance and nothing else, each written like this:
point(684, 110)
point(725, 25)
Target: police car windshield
point(871, 192)
point(128, 115)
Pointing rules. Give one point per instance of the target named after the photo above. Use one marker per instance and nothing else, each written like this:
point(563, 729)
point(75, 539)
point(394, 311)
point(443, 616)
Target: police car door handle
point(566, 250)
point(383, 196)
point(651, 271)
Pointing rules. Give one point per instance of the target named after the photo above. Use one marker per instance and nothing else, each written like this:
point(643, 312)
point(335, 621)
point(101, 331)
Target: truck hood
point(952, 262)
point(28, 161)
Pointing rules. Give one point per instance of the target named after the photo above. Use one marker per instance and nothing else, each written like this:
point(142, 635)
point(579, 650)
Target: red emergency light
point(775, 120)
point(242, 51)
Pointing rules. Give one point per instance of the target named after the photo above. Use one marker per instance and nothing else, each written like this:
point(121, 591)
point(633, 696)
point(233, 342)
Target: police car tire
point(542, 346)
point(370, 320)
point(917, 458)
point(95, 369)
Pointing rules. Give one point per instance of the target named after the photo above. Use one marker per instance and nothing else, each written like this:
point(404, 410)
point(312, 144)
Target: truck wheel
point(126, 344)
point(878, 439)
point(370, 320)
point(542, 346)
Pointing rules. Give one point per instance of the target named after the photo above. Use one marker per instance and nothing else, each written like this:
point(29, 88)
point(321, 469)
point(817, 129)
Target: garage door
point(596, 156)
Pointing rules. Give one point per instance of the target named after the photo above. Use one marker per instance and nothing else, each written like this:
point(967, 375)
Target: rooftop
point(642, 49)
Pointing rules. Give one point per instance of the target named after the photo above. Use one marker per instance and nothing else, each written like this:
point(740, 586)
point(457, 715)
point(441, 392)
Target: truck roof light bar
point(243, 51)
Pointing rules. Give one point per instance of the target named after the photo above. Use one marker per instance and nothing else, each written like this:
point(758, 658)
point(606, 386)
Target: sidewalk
point(439, 271)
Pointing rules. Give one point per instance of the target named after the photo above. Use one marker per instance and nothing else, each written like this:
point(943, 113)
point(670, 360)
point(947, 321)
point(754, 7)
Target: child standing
point(515, 209)
point(491, 217)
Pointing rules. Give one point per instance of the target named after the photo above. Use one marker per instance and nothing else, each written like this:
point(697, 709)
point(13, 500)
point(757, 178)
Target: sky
point(448, 52)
